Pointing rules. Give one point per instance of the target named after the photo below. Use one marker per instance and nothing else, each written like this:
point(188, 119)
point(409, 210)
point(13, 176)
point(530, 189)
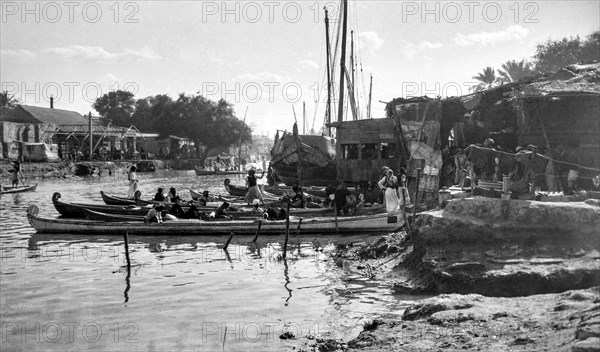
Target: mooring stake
point(287, 230)
point(228, 240)
point(257, 231)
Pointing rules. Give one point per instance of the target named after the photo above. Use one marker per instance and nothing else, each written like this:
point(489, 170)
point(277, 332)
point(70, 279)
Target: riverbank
point(505, 275)
point(70, 169)
point(568, 321)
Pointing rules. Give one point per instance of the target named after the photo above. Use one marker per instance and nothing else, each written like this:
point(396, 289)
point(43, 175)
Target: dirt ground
point(568, 320)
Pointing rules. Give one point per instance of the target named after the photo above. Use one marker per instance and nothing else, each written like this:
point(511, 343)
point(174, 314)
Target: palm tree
point(513, 70)
point(487, 77)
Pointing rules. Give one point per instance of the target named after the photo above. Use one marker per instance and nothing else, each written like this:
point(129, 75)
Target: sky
point(268, 58)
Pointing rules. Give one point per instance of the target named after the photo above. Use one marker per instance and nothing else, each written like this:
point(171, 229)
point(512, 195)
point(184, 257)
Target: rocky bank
point(506, 275)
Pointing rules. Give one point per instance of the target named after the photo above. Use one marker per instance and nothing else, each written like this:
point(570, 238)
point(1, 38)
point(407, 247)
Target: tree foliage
point(555, 54)
point(212, 124)
point(116, 106)
point(205, 122)
point(7, 101)
point(513, 70)
point(487, 78)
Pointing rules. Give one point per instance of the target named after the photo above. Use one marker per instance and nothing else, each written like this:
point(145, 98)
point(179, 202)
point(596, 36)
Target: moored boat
point(234, 190)
point(100, 216)
point(200, 171)
point(115, 200)
point(76, 210)
point(26, 188)
point(347, 224)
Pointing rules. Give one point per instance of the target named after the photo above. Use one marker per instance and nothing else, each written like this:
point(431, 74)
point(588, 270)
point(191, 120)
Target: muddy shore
point(504, 276)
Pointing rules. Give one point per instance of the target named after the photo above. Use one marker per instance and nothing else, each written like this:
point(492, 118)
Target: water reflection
point(174, 285)
point(287, 280)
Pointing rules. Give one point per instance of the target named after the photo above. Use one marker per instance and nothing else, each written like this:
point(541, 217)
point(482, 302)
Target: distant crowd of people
point(536, 168)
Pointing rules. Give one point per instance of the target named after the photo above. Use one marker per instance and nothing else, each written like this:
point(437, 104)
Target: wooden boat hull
point(114, 200)
point(100, 216)
point(204, 172)
point(318, 225)
point(76, 210)
point(236, 191)
point(9, 190)
point(287, 190)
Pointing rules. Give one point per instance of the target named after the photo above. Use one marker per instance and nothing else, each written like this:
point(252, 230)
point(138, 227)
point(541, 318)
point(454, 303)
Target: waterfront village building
point(32, 133)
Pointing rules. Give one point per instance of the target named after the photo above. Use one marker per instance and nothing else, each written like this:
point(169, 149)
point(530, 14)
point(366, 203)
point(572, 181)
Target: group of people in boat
point(394, 191)
point(170, 197)
point(395, 194)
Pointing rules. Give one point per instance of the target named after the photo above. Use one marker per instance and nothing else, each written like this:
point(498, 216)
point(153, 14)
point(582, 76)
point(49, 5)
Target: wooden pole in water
point(128, 277)
point(126, 238)
point(298, 229)
point(257, 231)
point(228, 240)
point(336, 221)
point(287, 230)
point(416, 196)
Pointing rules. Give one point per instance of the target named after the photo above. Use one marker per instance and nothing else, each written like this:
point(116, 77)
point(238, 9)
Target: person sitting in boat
point(155, 214)
point(221, 212)
point(373, 194)
point(276, 213)
point(256, 209)
point(172, 195)
point(298, 200)
point(159, 196)
point(340, 202)
point(191, 213)
point(133, 182)
point(329, 195)
point(253, 190)
point(204, 198)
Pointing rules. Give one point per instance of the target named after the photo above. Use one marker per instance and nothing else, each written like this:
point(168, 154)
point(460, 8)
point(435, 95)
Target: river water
point(183, 293)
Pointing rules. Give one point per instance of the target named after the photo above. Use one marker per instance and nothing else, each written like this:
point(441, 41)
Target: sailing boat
point(315, 157)
point(311, 159)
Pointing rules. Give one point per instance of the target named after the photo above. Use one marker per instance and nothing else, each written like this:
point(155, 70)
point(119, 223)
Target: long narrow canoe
point(114, 200)
point(100, 216)
point(287, 190)
point(204, 172)
point(76, 210)
point(319, 225)
point(27, 188)
point(217, 198)
point(200, 171)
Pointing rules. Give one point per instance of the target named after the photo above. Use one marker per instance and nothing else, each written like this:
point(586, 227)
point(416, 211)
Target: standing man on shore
point(17, 174)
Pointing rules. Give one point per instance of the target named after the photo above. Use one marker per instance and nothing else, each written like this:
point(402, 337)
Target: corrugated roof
point(55, 116)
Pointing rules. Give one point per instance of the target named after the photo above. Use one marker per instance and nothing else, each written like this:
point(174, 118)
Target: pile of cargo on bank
point(540, 136)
